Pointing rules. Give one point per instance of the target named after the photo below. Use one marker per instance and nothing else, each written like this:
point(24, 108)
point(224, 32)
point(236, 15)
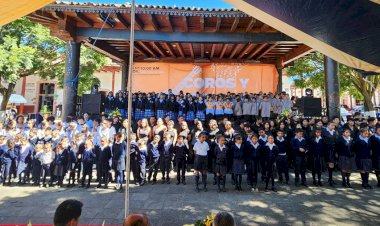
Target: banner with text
point(204, 77)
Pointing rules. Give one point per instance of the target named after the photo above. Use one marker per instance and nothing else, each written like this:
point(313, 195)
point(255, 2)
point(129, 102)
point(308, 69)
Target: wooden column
point(332, 87)
point(279, 85)
point(113, 80)
point(124, 76)
point(70, 88)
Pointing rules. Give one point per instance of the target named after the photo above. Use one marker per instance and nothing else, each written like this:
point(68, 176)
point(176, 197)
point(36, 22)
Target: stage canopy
point(12, 10)
point(346, 30)
point(171, 34)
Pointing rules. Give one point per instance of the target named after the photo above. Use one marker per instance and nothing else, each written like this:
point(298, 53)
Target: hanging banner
point(204, 78)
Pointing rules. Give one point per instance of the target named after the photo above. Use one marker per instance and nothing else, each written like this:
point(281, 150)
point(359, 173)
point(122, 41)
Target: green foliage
point(27, 48)
point(308, 72)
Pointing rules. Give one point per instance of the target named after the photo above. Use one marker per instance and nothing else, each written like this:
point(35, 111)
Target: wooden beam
point(234, 50)
point(202, 23)
point(202, 50)
point(257, 50)
point(45, 16)
point(264, 27)
point(155, 24)
point(148, 49)
point(235, 24)
point(170, 25)
point(245, 50)
point(139, 49)
point(122, 20)
point(296, 53)
point(58, 15)
point(212, 51)
point(266, 51)
point(218, 22)
point(138, 23)
point(223, 51)
point(185, 25)
point(190, 60)
point(158, 48)
point(191, 50)
point(186, 37)
point(85, 19)
point(169, 49)
point(180, 49)
point(104, 48)
point(250, 25)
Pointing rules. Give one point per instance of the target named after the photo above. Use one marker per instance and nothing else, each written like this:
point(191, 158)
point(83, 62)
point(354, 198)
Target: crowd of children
point(255, 142)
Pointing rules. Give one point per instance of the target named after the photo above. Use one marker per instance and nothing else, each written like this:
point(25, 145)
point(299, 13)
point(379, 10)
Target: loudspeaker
point(310, 106)
point(91, 104)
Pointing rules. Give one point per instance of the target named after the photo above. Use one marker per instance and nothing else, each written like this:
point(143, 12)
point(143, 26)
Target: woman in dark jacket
point(238, 161)
point(346, 159)
point(362, 149)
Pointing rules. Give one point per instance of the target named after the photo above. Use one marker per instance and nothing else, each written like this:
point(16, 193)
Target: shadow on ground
point(170, 204)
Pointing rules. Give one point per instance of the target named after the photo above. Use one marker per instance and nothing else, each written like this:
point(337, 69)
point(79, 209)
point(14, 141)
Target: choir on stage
point(246, 139)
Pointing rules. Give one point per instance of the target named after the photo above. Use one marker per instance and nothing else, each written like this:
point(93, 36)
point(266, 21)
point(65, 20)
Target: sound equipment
point(310, 106)
point(91, 104)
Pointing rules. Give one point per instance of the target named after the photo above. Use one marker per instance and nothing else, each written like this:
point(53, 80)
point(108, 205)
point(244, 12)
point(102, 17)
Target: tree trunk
point(368, 105)
point(6, 96)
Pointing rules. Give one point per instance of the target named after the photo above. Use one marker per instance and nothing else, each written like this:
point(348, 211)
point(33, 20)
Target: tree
point(308, 72)
point(27, 48)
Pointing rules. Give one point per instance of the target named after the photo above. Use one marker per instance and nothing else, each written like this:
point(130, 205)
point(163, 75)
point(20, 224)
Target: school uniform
point(134, 162)
point(270, 155)
point(103, 165)
point(252, 158)
point(265, 109)
point(282, 158)
point(149, 107)
point(330, 138)
point(109, 104)
point(78, 165)
point(60, 163)
point(24, 160)
point(88, 159)
point(200, 163)
point(238, 111)
point(247, 108)
point(6, 161)
point(142, 158)
point(228, 109)
point(317, 153)
point(255, 110)
point(71, 164)
point(190, 111)
point(161, 108)
point(47, 159)
point(154, 161)
point(119, 104)
point(210, 110)
point(375, 146)
point(118, 161)
point(346, 159)
point(238, 163)
point(139, 109)
point(181, 108)
point(166, 154)
point(262, 141)
point(171, 109)
point(219, 110)
point(363, 150)
point(220, 153)
point(200, 106)
point(36, 168)
point(180, 155)
point(299, 159)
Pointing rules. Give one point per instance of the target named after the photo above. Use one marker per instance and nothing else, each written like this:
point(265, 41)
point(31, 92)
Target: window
point(46, 96)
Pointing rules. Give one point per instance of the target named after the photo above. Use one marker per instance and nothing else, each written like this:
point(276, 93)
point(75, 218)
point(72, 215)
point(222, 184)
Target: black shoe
point(205, 189)
point(349, 185)
point(368, 186)
point(163, 181)
point(274, 189)
point(177, 183)
point(214, 182)
point(297, 184)
point(106, 186)
point(287, 182)
point(224, 190)
point(266, 189)
point(154, 182)
point(88, 186)
point(331, 184)
point(219, 190)
point(168, 181)
point(334, 182)
point(320, 184)
point(315, 183)
point(197, 189)
point(184, 182)
point(99, 186)
point(344, 184)
point(304, 184)
point(378, 184)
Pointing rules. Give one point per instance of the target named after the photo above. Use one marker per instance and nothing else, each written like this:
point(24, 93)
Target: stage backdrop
point(204, 77)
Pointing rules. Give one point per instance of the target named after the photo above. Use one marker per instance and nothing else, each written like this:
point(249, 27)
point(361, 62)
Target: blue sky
point(188, 3)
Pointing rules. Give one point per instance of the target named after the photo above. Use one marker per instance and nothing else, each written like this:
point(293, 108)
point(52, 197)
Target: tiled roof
point(141, 9)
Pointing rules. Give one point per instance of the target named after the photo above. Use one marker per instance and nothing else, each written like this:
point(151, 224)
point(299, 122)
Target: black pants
point(153, 168)
point(78, 168)
point(165, 164)
point(282, 167)
point(252, 169)
point(300, 168)
point(46, 172)
point(135, 170)
point(181, 169)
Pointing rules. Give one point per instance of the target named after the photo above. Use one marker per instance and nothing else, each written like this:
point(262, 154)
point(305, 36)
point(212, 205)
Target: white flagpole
point(130, 71)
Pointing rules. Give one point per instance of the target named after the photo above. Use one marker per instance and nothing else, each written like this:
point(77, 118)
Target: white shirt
point(201, 148)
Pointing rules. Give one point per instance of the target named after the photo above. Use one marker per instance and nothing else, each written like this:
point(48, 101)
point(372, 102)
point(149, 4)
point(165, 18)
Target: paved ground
point(180, 204)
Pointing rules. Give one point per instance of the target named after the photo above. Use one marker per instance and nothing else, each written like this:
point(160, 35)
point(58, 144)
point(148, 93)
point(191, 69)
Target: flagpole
point(130, 72)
